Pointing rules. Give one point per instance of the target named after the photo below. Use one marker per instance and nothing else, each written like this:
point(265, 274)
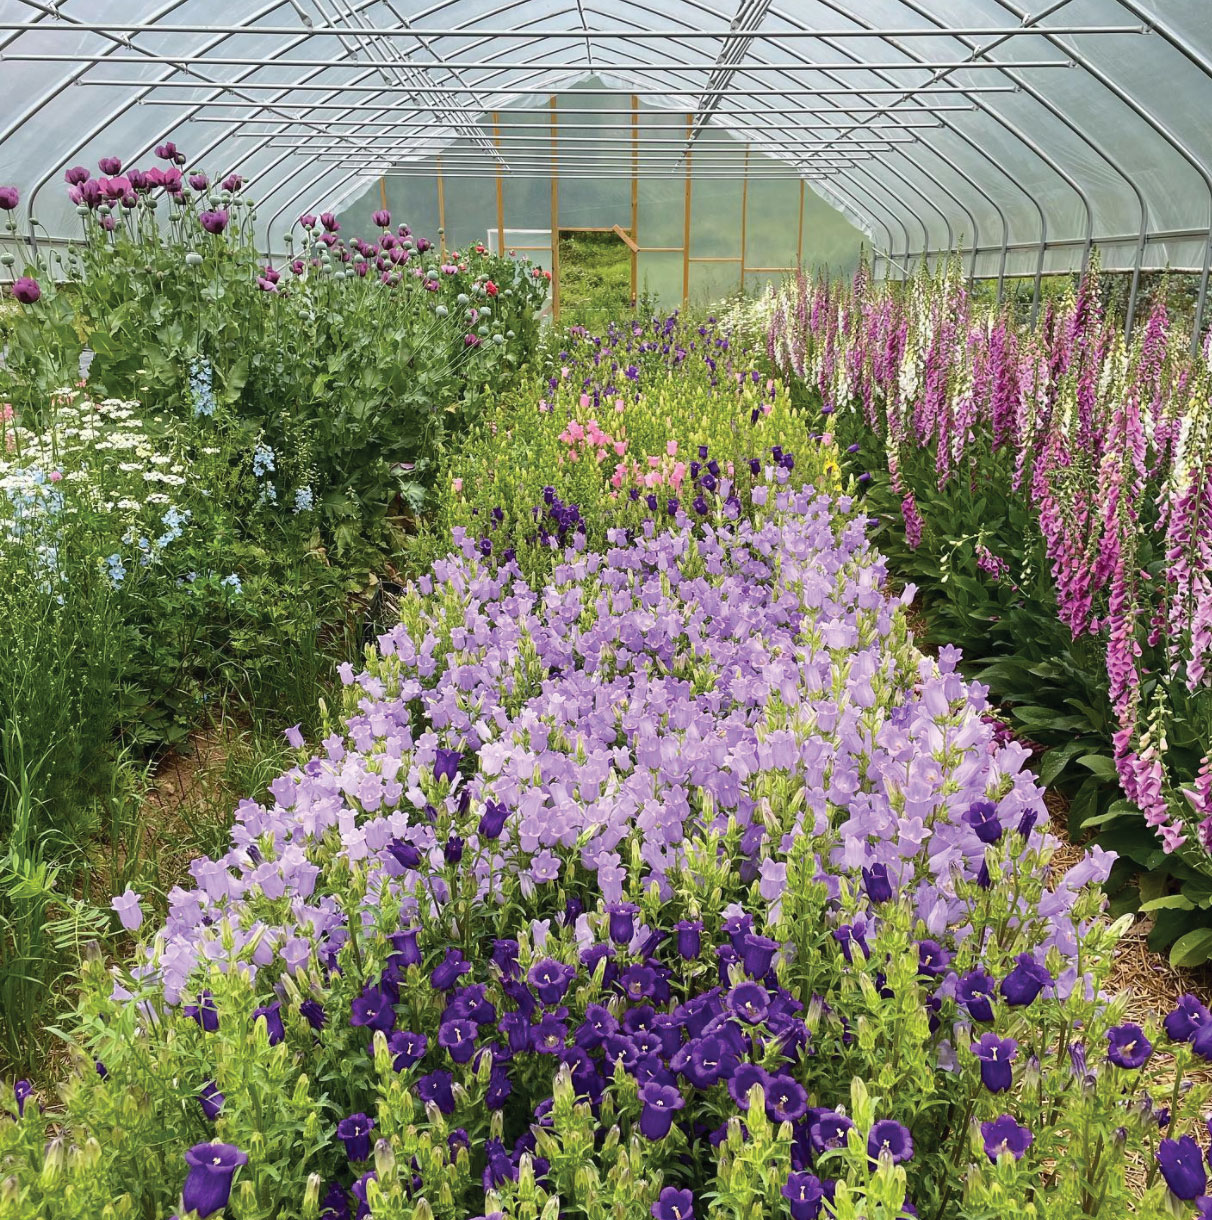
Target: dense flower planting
point(1055, 482)
point(678, 885)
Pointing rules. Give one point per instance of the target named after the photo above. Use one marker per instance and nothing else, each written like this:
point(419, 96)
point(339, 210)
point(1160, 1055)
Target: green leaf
point(1192, 948)
point(1174, 902)
point(1102, 766)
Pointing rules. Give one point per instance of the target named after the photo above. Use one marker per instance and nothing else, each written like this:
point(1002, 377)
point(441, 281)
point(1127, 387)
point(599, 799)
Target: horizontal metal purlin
point(535, 90)
point(1063, 243)
point(466, 65)
point(287, 139)
point(920, 107)
point(295, 31)
point(646, 129)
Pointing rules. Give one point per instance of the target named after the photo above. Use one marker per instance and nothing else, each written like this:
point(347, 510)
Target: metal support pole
point(635, 199)
point(744, 216)
point(555, 212)
point(686, 221)
point(799, 236)
point(496, 136)
point(441, 210)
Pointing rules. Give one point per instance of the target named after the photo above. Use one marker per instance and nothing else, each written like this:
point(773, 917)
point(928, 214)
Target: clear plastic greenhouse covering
point(1025, 136)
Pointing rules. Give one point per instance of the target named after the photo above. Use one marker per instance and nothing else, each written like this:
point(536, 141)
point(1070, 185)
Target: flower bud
point(311, 1196)
point(385, 1160)
point(193, 259)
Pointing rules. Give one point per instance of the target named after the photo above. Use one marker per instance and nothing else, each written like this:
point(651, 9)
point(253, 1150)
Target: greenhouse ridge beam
point(358, 107)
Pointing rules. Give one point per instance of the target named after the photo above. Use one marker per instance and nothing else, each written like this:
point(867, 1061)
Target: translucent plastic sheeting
point(1022, 134)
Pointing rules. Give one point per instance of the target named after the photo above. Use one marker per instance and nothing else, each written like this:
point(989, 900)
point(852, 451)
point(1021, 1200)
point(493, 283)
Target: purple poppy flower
point(1188, 1016)
point(272, 1014)
point(892, 1137)
point(211, 1100)
point(382, 219)
point(877, 883)
point(232, 183)
point(982, 817)
point(995, 1055)
point(167, 151)
point(804, 1193)
point(1028, 978)
point(76, 176)
point(204, 1012)
point(786, 1101)
point(1127, 1046)
point(354, 1133)
point(1005, 1135)
point(449, 970)
point(975, 993)
point(214, 222)
point(110, 166)
point(373, 1009)
point(199, 182)
point(458, 1039)
point(329, 222)
point(9, 197)
point(437, 1087)
point(208, 1183)
point(660, 1102)
point(493, 820)
point(406, 1048)
point(1182, 1165)
point(25, 288)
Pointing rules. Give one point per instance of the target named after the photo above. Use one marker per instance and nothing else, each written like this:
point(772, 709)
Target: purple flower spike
point(208, 1183)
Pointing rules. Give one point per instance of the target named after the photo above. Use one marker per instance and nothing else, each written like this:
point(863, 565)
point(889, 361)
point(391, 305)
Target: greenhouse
point(607, 610)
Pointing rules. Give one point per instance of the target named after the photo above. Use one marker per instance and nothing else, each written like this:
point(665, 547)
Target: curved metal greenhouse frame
point(1025, 136)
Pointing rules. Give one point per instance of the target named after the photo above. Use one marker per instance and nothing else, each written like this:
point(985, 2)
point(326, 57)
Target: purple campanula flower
point(449, 970)
point(446, 764)
point(1182, 1165)
point(211, 1100)
point(499, 1087)
point(550, 1033)
point(932, 958)
point(598, 1025)
point(437, 1087)
point(22, 1090)
point(750, 1002)
point(849, 935)
point(621, 921)
point(407, 1048)
point(982, 817)
point(786, 1101)
point(660, 1102)
point(975, 993)
point(892, 1137)
point(452, 852)
point(1028, 978)
point(1005, 1135)
point(995, 1055)
point(550, 980)
point(204, 1012)
point(742, 1080)
point(493, 820)
point(804, 1193)
point(373, 1009)
point(828, 1130)
point(877, 884)
point(757, 955)
point(312, 1011)
point(689, 938)
point(505, 956)
point(208, 1183)
point(1127, 1046)
point(406, 947)
point(1188, 1016)
point(354, 1133)
point(673, 1204)
point(272, 1015)
point(458, 1039)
